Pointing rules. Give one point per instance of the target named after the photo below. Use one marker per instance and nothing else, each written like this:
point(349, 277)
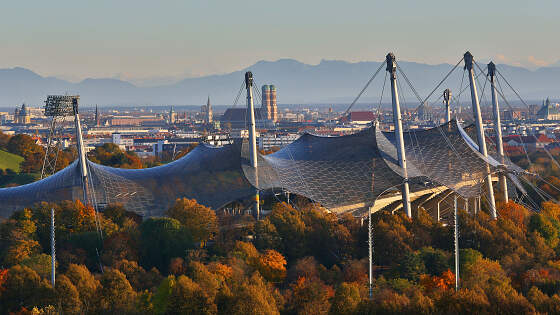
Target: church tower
point(209, 114)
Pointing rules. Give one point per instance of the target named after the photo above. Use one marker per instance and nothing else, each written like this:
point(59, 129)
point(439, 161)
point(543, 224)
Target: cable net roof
point(211, 175)
point(341, 173)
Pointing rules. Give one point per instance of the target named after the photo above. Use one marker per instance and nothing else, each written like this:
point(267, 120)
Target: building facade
point(22, 116)
point(269, 105)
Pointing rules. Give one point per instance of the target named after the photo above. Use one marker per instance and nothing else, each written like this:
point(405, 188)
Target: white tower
point(480, 130)
point(252, 137)
point(392, 69)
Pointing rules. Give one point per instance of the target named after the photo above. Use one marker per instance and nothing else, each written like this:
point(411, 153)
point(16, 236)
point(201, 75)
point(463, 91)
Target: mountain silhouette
point(328, 82)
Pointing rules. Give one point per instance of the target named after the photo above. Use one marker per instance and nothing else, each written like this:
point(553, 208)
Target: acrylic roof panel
point(211, 175)
point(333, 171)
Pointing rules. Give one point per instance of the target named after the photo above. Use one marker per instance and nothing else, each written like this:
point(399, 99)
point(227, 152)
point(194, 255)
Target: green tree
point(162, 239)
point(346, 299)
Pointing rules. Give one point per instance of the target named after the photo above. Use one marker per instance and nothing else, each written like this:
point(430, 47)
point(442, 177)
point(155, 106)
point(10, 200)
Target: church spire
point(209, 114)
point(97, 122)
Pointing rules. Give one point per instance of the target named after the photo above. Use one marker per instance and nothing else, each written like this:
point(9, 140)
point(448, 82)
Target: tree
point(24, 145)
point(139, 278)
point(119, 246)
point(249, 297)
point(116, 293)
point(411, 267)
point(199, 220)
point(272, 266)
point(187, 297)
point(291, 228)
point(68, 296)
point(435, 260)
point(23, 287)
point(86, 285)
point(346, 299)
point(162, 239)
point(40, 263)
point(111, 155)
point(310, 296)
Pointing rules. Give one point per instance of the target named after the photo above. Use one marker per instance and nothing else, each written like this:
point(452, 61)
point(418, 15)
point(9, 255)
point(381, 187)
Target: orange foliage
point(443, 282)
point(272, 265)
point(220, 269)
point(3, 275)
point(514, 212)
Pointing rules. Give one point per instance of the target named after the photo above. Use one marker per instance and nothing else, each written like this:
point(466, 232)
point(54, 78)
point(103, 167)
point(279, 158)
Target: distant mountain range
point(297, 83)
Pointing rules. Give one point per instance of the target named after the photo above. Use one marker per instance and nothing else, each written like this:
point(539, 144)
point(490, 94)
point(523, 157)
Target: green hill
point(9, 160)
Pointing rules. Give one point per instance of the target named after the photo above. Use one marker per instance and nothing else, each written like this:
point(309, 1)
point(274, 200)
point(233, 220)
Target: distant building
point(269, 105)
point(513, 115)
point(22, 116)
point(97, 118)
point(206, 111)
point(424, 112)
point(238, 118)
point(549, 111)
point(361, 118)
point(172, 116)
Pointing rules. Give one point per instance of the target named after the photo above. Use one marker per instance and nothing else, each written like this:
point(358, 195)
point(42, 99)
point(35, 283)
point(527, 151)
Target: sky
point(150, 42)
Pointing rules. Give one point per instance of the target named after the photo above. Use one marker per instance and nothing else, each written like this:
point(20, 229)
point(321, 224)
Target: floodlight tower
point(446, 100)
point(252, 137)
point(469, 60)
point(57, 107)
point(498, 128)
point(392, 69)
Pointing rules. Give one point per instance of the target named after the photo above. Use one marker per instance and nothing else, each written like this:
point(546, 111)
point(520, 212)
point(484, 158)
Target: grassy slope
point(9, 160)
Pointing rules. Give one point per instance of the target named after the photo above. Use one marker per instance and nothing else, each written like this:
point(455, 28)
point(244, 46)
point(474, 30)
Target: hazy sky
point(135, 39)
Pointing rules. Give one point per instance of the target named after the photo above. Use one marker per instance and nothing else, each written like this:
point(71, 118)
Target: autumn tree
point(23, 287)
point(346, 299)
point(116, 293)
point(86, 285)
point(200, 221)
point(187, 297)
point(272, 266)
point(68, 296)
point(110, 154)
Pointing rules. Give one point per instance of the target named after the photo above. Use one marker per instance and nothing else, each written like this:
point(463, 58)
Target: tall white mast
point(81, 149)
point(392, 69)
point(53, 251)
point(480, 129)
point(456, 241)
point(446, 100)
point(252, 137)
point(498, 128)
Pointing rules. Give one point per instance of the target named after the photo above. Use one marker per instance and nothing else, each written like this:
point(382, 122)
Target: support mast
point(81, 149)
point(370, 254)
point(498, 128)
point(480, 129)
point(252, 137)
point(392, 69)
point(446, 99)
point(53, 251)
point(456, 239)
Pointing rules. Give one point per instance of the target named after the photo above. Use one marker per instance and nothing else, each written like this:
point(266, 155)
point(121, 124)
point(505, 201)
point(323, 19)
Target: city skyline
point(148, 43)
